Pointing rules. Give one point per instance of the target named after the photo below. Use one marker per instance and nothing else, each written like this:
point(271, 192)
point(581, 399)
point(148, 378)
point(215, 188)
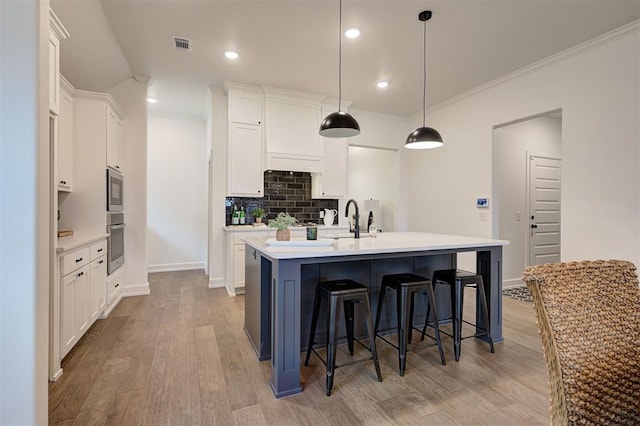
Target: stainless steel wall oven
point(115, 241)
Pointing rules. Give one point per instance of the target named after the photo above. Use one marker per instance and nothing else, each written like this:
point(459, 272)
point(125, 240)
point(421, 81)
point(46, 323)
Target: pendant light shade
point(424, 137)
point(339, 124)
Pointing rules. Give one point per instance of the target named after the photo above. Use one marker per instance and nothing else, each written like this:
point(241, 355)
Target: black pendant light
point(424, 137)
point(339, 124)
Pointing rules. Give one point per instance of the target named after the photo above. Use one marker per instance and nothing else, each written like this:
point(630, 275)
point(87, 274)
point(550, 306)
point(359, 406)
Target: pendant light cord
point(424, 77)
point(340, 57)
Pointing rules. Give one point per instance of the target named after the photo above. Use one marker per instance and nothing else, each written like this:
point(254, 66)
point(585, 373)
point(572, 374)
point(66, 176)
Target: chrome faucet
point(357, 219)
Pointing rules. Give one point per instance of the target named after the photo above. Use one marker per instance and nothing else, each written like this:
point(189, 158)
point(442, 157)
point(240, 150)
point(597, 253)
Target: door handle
point(534, 226)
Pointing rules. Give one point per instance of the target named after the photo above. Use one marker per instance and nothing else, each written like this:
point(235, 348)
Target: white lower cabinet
point(74, 312)
point(235, 249)
point(238, 266)
point(114, 287)
point(82, 293)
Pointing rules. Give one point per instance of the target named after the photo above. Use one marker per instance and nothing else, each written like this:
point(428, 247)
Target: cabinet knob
point(80, 274)
point(101, 262)
point(78, 260)
point(117, 284)
point(258, 122)
point(117, 167)
point(99, 250)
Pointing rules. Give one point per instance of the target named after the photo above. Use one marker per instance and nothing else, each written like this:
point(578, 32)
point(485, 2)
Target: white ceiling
point(294, 45)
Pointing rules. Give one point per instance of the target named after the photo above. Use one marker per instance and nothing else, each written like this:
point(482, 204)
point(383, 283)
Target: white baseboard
point(513, 282)
point(216, 282)
point(169, 267)
point(136, 290)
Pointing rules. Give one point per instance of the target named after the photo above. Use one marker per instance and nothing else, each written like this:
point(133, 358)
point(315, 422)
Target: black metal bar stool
point(348, 293)
point(406, 286)
point(457, 280)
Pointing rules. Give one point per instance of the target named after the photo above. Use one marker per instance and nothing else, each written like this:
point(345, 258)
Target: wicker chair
point(588, 316)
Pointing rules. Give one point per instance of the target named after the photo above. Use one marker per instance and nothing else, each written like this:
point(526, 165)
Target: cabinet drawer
point(114, 286)
point(74, 260)
point(98, 249)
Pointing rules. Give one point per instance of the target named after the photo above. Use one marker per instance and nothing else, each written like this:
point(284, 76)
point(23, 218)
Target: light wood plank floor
point(180, 356)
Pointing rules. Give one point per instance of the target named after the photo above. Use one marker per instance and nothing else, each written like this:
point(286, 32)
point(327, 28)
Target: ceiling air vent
point(181, 43)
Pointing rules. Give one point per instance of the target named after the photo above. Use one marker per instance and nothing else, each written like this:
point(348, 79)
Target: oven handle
point(116, 226)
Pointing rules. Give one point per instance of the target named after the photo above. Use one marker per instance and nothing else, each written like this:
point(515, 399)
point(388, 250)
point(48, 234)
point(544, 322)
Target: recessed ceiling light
point(352, 33)
point(382, 84)
point(152, 100)
point(230, 54)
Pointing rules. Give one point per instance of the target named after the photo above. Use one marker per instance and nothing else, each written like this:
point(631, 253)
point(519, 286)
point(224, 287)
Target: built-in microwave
point(114, 191)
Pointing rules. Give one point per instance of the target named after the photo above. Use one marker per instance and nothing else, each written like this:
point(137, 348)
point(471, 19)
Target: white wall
point(597, 88)
point(511, 145)
point(176, 193)
point(373, 175)
point(131, 96)
point(383, 131)
point(24, 212)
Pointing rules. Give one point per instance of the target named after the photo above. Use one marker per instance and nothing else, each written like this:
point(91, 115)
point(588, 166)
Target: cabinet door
point(65, 143)
point(292, 128)
point(98, 289)
point(114, 141)
point(68, 334)
point(238, 265)
point(54, 73)
point(82, 301)
point(245, 107)
point(332, 182)
point(245, 174)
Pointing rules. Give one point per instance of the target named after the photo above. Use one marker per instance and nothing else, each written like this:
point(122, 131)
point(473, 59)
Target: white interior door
point(544, 210)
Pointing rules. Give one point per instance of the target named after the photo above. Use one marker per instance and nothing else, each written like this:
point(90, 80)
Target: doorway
point(514, 146)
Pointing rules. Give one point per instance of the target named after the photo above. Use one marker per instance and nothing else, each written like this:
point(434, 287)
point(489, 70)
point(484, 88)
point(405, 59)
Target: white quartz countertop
point(74, 241)
point(252, 228)
point(386, 242)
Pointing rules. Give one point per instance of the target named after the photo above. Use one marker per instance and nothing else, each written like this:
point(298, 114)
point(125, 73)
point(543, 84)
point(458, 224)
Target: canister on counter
point(312, 232)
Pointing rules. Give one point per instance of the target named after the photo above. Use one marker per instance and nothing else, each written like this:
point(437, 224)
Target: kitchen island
point(280, 285)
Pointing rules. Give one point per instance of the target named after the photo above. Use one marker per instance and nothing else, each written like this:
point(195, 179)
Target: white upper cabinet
point(245, 107)
point(115, 143)
point(57, 32)
point(292, 120)
point(245, 176)
point(332, 182)
point(244, 145)
point(64, 171)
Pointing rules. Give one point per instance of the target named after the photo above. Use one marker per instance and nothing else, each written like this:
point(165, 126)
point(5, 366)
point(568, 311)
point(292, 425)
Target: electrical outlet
point(484, 216)
point(518, 216)
point(321, 214)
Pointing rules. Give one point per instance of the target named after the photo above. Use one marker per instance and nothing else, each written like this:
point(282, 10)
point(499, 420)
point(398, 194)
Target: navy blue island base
point(280, 285)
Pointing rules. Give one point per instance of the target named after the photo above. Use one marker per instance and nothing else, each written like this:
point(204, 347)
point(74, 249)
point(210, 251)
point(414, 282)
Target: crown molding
point(594, 42)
